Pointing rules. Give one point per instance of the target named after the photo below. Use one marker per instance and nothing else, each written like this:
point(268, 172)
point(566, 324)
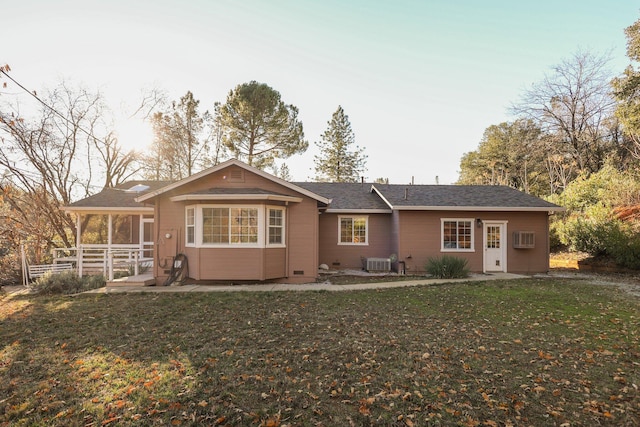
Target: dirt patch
point(629, 283)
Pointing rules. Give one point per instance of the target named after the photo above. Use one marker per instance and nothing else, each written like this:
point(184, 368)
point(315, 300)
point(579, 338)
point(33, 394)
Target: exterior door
point(147, 237)
point(495, 254)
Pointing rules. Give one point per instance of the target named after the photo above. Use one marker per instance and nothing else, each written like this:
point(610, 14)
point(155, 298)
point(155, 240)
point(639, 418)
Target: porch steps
point(146, 279)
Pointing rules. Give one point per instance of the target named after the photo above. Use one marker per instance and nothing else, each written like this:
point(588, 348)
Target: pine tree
point(338, 160)
point(258, 127)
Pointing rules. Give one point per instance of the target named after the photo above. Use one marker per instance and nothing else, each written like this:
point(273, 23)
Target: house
point(234, 222)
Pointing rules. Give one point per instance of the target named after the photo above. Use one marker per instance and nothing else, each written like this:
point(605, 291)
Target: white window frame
point(268, 226)
point(471, 222)
point(353, 218)
point(262, 225)
point(190, 226)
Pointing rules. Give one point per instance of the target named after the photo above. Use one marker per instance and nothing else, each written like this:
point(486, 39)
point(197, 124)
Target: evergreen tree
point(626, 89)
point(258, 127)
point(340, 160)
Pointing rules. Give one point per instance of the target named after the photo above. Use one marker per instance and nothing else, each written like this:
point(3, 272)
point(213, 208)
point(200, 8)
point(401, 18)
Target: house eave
point(222, 197)
point(360, 211)
point(481, 208)
point(109, 209)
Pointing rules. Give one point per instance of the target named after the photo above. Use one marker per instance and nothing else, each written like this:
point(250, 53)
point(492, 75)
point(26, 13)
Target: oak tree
point(573, 106)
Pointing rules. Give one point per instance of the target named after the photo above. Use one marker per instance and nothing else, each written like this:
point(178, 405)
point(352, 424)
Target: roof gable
point(233, 162)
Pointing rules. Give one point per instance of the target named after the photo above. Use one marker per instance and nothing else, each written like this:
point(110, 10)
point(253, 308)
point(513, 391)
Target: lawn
point(522, 352)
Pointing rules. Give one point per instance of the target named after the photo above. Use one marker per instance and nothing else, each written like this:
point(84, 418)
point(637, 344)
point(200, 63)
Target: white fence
point(92, 259)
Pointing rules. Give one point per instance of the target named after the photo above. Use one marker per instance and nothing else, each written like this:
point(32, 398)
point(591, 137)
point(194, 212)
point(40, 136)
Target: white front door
point(495, 254)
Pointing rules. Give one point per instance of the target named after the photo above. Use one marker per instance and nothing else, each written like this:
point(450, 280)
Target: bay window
point(234, 226)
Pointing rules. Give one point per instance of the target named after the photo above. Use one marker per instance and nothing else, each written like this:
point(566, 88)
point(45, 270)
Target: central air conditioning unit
point(378, 264)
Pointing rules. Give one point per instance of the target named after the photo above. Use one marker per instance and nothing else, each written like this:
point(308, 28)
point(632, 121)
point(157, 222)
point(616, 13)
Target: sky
point(420, 80)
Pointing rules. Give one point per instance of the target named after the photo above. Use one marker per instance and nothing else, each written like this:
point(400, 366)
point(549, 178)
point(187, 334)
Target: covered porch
point(111, 242)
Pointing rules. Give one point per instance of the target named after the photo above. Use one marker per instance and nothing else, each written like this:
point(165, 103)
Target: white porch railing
point(102, 258)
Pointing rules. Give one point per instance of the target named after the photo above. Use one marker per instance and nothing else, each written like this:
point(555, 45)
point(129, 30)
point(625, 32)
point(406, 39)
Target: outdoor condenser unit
point(378, 264)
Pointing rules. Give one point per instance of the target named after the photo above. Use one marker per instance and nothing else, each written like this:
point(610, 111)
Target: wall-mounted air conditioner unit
point(378, 264)
point(524, 239)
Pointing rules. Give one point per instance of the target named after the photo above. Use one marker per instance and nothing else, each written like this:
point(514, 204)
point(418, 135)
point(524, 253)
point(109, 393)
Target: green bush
point(601, 235)
point(447, 267)
point(67, 282)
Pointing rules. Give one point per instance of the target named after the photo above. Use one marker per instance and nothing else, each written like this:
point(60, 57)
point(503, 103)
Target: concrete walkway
point(274, 287)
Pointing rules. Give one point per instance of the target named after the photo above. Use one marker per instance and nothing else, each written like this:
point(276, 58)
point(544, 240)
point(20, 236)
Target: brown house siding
point(534, 260)
point(420, 234)
point(350, 256)
point(297, 263)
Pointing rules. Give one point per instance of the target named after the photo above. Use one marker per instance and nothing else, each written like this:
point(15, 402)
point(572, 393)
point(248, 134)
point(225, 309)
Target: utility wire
point(51, 108)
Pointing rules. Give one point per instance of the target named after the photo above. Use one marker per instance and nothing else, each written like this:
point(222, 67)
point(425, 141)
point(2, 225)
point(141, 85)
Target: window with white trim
point(222, 225)
point(235, 225)
point(457, 234)
point(191, 226)
point(275, 226)
point(353, 230)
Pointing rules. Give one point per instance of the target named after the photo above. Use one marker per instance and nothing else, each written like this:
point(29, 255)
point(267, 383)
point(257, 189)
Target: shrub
point(67, 282)
point(447, 267)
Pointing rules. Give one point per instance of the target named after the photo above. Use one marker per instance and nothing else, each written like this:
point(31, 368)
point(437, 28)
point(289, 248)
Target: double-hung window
point(353, 230)
point(191, 226)
point(275, 226)
point(457, 235)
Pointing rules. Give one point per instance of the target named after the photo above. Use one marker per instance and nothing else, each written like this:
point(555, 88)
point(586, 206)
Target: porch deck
point(105, 259)
point(145, 279)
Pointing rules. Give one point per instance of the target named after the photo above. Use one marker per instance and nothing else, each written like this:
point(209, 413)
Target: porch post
point(108, 256)
point(78, 230)
point(141, 224)
point(79, 244)
point(110, 230)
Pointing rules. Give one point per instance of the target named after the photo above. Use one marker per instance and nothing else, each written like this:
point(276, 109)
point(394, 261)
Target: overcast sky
point(419, 80)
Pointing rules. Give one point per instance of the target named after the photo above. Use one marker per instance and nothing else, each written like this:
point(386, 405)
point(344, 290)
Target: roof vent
point(138, 188)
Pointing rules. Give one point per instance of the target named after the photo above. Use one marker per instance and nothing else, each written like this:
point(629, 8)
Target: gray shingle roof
point(356, 196)
point(485, 197)
point(118, 196)
point(346, 196)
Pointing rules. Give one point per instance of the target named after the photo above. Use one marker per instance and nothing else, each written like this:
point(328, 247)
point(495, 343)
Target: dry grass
point(523, 352)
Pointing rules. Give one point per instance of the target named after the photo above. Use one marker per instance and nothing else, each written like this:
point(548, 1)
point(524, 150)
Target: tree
point(339, 159)
point(626, 89)
point(51, 160)
point(508, 154)
point(181, 139)
point(119, 166)
point(282, 172)
point(573, 107)
point(258, 126)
